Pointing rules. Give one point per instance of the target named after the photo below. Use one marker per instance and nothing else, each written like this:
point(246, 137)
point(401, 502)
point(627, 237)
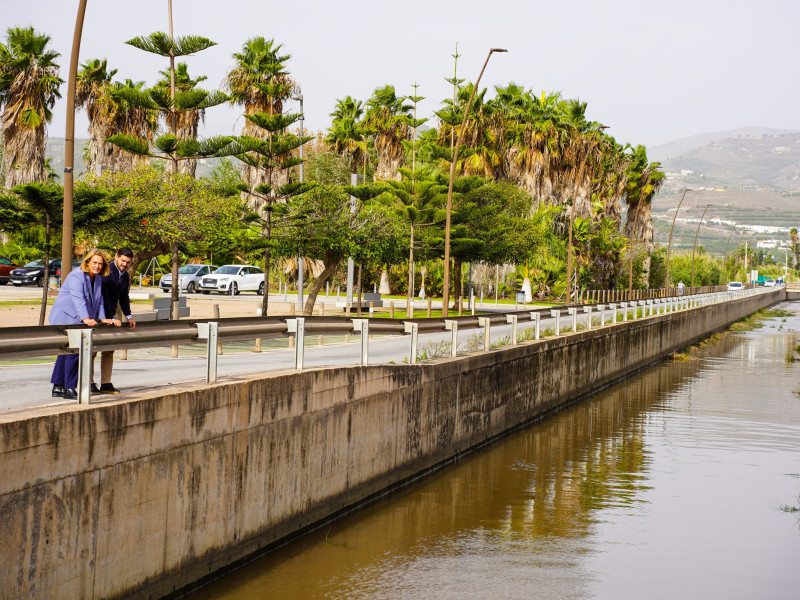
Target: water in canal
point(676, 482)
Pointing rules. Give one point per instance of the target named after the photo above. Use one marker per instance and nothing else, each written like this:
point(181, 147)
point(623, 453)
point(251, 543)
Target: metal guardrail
point(18, 342)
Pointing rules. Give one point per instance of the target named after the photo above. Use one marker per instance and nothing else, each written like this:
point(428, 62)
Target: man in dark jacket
point(115, 288)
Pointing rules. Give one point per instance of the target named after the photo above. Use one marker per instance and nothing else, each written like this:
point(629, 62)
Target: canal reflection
point(668, 483)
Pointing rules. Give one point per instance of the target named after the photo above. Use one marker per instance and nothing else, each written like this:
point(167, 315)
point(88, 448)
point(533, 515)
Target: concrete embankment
point(143, 497)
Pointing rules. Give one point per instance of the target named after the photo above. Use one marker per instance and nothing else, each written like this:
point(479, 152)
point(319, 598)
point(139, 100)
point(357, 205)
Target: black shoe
point(95, 390)
point(108, 388)
point(70, 393)
point(58, 391)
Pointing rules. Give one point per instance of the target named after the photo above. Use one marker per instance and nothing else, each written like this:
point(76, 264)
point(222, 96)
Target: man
point(115, 288)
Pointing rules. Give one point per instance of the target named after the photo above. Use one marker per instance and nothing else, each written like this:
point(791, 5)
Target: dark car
point(33, 272)
point(6, 266)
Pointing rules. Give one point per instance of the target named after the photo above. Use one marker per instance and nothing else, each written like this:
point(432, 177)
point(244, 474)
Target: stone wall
point(143, 497)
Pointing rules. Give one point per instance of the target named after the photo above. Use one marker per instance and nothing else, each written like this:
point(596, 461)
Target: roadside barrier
point(19, 342)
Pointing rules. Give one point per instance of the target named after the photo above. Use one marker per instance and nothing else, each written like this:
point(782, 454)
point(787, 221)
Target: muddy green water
point(671, 484)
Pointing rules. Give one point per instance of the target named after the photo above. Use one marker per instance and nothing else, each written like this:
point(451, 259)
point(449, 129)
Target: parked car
point(769, 283)
point(6, 266)
point(189, 277)
point(232, 279)
point(33, 272)
point(735, 285)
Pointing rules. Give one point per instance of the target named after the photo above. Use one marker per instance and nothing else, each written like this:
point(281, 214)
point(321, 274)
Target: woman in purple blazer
point(80, 300)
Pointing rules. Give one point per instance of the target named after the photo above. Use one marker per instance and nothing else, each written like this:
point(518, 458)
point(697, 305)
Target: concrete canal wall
point(142, 497)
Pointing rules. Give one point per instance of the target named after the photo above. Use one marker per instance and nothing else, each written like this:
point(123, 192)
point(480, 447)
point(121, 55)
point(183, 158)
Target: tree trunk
point(331, 264)
point(267, 258)
point(410, 294)
point(457, 291)
point(173, 314)
point(46, 274)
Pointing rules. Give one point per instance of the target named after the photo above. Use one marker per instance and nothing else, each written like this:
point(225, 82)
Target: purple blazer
point(78, 299)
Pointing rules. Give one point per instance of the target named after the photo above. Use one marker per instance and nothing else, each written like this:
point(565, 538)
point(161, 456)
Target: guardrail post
point(573, 312)
point(588, 311)
point(362, 326)
point(513, 320)
point(210, 333)
point(613, 307)
point(486, 323)
point(413, 329)
point(557, 315)
point(536, 318)
point(82, 340)
point(451, 325)
point(624, 307)
point(298, 328)
point(602, 308)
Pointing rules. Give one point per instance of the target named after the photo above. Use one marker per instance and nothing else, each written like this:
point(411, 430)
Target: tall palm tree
point(644, 181)
point(390, 118)
point(29, 86)
point(109, 115)
point(347, 135)
point(260, 83)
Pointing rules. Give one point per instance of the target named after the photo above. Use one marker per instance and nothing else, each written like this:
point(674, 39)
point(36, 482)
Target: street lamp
point(695, 239)
point(725, 260)
point(669, 245)
point(69, 146)
point(299, 98)
point(446, 291)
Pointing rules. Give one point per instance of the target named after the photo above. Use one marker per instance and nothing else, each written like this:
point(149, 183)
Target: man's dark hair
point(125, 252)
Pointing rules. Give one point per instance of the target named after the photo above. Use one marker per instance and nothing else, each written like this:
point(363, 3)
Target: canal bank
point(142, 498)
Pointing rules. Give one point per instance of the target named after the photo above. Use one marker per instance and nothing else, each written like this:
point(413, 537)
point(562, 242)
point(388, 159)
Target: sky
point(651, 71)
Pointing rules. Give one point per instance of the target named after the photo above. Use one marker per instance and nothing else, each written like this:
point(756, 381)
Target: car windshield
point(227, 270)
point(35, 263)
point(186, 269)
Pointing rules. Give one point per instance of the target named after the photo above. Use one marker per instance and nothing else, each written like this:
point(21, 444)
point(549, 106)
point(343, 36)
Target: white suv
point(232, 279)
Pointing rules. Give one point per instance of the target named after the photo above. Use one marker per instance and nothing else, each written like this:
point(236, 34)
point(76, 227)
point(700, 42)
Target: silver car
point(188, 277)
point(232, 279)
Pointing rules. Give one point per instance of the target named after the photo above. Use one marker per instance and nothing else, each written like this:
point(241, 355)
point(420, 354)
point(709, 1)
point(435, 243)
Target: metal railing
point(19, 342)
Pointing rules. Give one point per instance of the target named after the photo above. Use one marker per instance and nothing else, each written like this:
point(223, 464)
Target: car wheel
point(3, 282)
point(234, 289)
point(40, 282)
point(261, 289)
point(17, 284)
point(206, 292)
point(190, 288)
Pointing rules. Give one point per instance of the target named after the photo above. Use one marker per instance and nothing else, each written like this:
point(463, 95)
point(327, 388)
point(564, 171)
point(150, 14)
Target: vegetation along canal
point(681, 481)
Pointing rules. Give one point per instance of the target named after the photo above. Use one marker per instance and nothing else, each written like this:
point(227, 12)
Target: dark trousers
point(66, 371)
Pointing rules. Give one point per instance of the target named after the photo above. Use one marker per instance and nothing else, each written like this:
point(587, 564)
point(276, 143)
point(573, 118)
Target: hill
point(750, 178)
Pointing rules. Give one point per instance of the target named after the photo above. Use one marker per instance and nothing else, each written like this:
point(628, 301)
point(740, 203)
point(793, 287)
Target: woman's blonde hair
point(89, 256)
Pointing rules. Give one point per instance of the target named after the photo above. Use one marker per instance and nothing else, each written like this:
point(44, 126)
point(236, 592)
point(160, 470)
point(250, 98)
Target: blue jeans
point(66, 371)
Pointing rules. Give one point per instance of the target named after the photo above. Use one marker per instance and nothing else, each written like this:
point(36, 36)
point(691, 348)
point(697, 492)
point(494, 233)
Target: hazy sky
point(651, 71)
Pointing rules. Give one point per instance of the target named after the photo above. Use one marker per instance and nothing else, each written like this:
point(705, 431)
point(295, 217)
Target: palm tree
point(793, 241)
point(347, 135)
point(29, 86)
point(390, 118)
point(416, 196)
point(644, 181)
point(110, 115)
point(260, 83)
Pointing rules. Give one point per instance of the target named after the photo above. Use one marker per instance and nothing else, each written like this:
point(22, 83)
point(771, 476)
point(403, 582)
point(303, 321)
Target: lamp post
point(446, 290)
point(695, 239)
point(69, 146)
point(725, 260)
point(300, 258)
point(669, 245)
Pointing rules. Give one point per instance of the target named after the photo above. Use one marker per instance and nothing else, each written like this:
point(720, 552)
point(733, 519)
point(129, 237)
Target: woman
point(80, 300)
